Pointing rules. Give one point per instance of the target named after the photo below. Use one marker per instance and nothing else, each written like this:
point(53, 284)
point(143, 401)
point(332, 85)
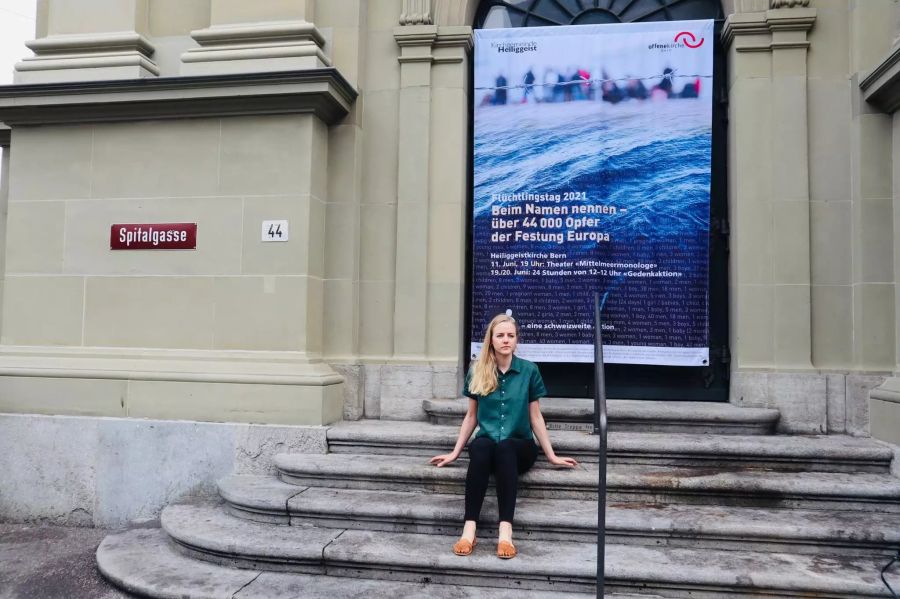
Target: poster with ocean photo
point(592, 169)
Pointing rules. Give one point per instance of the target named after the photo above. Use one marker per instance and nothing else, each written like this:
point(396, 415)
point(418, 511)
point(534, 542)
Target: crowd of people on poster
point(576, 84)
point(592, 170)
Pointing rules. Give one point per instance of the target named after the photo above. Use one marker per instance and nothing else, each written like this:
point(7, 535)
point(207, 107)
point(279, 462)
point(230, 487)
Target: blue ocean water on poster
point(592, 168)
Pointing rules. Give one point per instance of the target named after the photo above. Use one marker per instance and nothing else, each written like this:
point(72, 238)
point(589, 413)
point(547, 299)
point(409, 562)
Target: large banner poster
point(592, 169)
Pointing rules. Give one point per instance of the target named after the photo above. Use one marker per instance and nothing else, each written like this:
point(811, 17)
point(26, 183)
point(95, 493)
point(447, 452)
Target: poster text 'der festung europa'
point(592, 168)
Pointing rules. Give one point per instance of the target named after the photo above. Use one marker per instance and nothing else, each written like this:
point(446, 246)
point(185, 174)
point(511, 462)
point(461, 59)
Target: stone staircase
point(704, 501)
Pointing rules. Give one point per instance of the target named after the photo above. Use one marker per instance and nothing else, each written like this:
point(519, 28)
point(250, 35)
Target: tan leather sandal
point(506, 550)
point(464, 546)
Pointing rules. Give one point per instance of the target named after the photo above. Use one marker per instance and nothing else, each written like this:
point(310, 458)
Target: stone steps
point(713, 527)
point(145, 562)
point(207, 532)
point(706, 504)
point(879, 493)
point(633, 415)
point(836, 453)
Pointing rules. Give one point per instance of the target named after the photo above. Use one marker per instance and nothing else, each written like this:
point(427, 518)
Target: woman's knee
point(480, 450)
point(506, 452)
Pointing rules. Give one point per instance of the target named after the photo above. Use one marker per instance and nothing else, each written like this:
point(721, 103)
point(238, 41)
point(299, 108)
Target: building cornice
point(323, 92)
point(881, 86)
point(757, 28)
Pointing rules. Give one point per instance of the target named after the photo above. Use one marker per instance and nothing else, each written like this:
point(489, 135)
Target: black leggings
point(506, 460)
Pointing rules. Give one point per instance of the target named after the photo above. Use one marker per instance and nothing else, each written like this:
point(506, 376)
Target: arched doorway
point(707, 383)
point(542, 13)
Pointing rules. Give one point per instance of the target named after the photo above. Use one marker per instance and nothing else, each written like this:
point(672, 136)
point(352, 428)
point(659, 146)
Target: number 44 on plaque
point(274, 230)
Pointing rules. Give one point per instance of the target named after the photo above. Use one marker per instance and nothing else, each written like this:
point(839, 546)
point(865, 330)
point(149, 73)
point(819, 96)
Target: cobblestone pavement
point(51, 562)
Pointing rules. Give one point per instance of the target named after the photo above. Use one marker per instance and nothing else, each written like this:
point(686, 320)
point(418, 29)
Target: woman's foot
point(464, 546)
point(466, 543)
point(505, 548)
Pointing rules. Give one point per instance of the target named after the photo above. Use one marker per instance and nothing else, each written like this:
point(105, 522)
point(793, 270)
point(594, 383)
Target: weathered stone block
point(857, 414)
point(354, 386)
point(256, 444)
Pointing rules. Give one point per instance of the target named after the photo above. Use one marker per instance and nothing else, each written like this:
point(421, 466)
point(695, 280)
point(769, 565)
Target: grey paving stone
point(39, 561)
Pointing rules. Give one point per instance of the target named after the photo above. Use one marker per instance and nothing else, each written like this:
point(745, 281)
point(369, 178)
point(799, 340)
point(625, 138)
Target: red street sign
point(154, 236)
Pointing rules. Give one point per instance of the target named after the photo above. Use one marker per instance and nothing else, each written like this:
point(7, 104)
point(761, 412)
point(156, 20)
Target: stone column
point(878, 166)
point(768, 192)
point(790, 185)
point(5, 139)
point(258, 36)
point(96, 40)
point(872, 273)
point(449, 190)
point(413, 191)
point(432, 185)
point(430, 214)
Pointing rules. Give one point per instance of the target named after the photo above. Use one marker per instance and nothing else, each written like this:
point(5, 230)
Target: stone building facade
point(350, 119)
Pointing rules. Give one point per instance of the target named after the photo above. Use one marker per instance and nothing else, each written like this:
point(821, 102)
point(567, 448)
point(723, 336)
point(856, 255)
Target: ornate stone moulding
point(255, 47)
point(784, 26)
point(189, 366)
point(322, 92)
point(113, 55)
point(789, 3)
point(417, 12)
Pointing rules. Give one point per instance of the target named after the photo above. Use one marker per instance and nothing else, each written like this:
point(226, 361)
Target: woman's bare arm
point(540, 431)
point(465, 431)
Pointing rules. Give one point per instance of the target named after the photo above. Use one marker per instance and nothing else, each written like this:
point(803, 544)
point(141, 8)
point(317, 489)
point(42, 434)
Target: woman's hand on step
point(443, 459)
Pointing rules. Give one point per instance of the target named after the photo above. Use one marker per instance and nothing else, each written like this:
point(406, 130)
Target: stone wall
point(109, 472)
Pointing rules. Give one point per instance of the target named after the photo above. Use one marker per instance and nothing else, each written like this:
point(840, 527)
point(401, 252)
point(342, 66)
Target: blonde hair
point(484, 370)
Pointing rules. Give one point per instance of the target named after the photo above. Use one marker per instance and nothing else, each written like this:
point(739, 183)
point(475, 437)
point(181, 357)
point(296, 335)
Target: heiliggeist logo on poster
point(514, 47)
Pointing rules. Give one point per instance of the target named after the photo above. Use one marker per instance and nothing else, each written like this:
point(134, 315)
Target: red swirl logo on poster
point(689, 39)
point(683, 39)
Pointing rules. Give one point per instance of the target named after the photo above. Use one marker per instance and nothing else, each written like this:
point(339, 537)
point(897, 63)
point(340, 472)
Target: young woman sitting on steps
point(504, 392)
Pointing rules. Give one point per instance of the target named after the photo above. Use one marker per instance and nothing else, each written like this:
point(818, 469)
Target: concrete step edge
point(822, 453)
point(668, 415)
point(625, 483)
point(145, 563)
point(541, 565)
point(839, 532)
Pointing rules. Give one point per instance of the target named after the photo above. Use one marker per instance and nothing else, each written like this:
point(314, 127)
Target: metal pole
point(600, 425)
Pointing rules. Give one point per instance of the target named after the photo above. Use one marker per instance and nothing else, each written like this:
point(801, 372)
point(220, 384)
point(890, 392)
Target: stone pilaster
point(413, 190)
point(89, 41)
point(254, 37)
point(790, 185)
point(431, 189)
point(449, 191)
point(769, 205)
point(880, 90)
